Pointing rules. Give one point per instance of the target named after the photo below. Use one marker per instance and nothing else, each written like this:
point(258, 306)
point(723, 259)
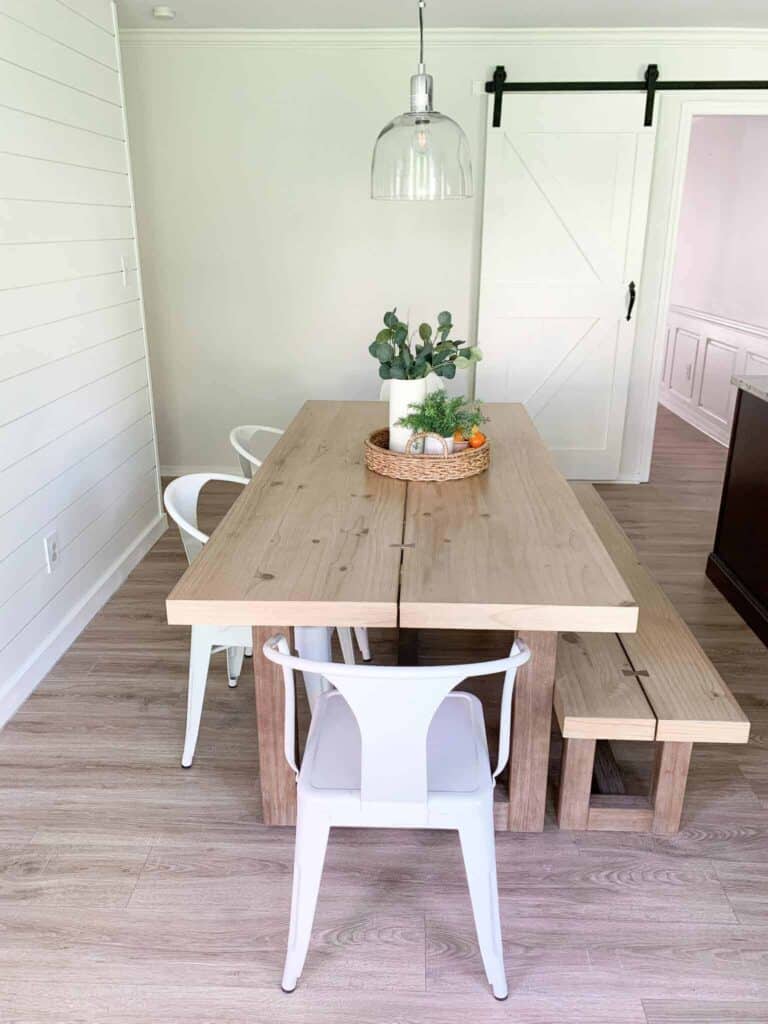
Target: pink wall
point(722, 251)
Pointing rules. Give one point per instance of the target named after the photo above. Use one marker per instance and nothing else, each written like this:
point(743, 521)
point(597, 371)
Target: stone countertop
point(755, 384)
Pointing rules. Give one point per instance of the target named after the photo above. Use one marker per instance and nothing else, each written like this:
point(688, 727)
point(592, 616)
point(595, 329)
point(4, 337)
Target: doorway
point(716, 322)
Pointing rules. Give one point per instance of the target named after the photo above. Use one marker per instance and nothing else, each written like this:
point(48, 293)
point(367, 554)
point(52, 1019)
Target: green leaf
point(447, 370)
point(383, 351)
point(461, 362)
point(385, 334)
point(400, 334)
point(444, 319)
point(384, 371)
point(425, 332)
point(390, 319)
point(477, 354)
point(397, 372)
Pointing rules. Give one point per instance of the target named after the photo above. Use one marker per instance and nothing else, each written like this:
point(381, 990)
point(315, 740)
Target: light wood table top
point(317, 539)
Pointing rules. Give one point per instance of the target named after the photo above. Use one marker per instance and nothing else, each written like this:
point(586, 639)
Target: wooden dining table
point(317, 540)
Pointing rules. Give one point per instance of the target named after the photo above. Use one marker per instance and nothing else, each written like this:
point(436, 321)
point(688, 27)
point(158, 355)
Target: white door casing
point(566, 202)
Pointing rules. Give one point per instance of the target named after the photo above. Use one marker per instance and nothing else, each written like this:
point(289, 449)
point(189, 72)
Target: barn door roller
point(649, 84)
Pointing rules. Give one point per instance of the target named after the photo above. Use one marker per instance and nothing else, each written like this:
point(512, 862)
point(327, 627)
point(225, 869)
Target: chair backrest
point(181, 499)
point(394, 708)
point(240, 438)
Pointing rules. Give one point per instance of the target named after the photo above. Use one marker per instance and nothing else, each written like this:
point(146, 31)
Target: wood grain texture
point(596, 925)
point(670, 777)
point(509, 549)
point(314, 538)
point(531, 726)
point(685, 691)
point(575, 783)
point(595, 698)
point(277, 781)
point(612, 813)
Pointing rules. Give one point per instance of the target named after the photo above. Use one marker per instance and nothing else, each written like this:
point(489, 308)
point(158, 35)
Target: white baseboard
point(687, 413)
point(14, 691)
point(230, 467)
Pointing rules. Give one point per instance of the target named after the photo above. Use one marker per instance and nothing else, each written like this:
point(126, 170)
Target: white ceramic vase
point(403, 393)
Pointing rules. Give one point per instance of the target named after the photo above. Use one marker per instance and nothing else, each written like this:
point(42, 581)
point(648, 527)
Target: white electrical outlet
point(51, 545)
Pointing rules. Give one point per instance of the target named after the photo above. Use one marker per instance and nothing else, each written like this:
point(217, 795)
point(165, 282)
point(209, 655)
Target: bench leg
point(575, 784)
point(670, 776)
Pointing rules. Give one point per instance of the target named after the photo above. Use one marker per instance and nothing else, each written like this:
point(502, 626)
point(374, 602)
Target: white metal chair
point(396, 748)
point(240, 438)
point(181, 500)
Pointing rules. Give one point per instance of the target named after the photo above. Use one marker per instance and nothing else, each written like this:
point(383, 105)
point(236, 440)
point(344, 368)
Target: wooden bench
point(656, 685)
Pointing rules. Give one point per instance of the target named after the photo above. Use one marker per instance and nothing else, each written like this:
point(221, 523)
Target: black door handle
point(632, 297)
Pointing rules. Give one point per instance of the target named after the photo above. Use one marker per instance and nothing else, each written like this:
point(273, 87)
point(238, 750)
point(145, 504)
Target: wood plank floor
point(134, 892)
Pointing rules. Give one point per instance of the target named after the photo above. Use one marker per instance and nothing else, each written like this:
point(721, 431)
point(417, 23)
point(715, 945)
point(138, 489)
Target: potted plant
point(407, 362)
point(440, 414)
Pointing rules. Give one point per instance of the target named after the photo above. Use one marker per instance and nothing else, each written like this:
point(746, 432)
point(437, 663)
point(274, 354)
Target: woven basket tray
point(405, 466)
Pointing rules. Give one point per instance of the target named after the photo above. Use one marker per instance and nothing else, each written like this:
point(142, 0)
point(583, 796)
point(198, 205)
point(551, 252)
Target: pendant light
point(421, 154)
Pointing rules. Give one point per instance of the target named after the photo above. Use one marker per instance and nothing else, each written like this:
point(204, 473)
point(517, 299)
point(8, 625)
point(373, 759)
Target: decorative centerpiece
point(445, 442)
point(444, 423)
point(407, 362)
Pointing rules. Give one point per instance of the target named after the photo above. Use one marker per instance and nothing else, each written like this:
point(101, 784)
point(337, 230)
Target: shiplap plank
point(24, 177)
point(26, 221)
point(97, 552)
point(21, 308)
point(44, 426)
point(41, 587)
point(21, 396)
point(54, 20)
point(28, 135)
point(97, 11)
point(27, 91)
point(48, 501)
point(27, 48)
point(25, 265)
point(66, 452)
point(18, 568)
point(25, 350)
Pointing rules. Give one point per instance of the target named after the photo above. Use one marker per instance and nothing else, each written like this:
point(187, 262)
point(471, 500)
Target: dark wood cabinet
point(738, 564)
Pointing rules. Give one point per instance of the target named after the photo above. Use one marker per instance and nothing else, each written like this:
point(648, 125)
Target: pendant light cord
point(422, 4)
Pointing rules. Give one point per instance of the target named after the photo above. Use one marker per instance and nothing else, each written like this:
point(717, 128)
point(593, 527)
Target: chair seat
point(457, 752)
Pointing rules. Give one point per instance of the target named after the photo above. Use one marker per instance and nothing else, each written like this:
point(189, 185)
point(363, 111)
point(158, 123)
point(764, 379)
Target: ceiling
point(357, 14)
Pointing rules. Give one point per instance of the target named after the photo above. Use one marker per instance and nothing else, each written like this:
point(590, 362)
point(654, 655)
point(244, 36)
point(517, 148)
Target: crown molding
point(404, 37)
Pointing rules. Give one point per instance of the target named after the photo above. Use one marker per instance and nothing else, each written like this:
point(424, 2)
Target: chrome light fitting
point(421, 154)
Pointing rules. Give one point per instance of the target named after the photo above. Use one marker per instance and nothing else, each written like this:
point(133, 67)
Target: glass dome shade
point(421, 155)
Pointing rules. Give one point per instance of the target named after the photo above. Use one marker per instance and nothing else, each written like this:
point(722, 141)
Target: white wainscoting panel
point(77, 440)
point(703, 352)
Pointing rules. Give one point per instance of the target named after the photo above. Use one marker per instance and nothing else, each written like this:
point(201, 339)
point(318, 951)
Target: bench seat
point(656, 685)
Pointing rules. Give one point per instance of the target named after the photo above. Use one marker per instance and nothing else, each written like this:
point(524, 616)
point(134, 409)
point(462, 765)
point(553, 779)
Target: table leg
point(278, 784)
point(531, 727)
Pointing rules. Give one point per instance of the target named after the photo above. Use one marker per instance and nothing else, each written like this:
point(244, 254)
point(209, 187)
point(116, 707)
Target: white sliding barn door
point(566, 200)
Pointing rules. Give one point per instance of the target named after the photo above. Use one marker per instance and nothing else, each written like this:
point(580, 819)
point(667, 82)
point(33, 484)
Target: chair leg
point(234, 664)
point(199, 661)
point(313, 643)
point(361, 635)
point(311, 844)
point(347, 647)
point(479, 851)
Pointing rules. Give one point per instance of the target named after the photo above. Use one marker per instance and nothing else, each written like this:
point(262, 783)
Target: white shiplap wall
point(77, 440)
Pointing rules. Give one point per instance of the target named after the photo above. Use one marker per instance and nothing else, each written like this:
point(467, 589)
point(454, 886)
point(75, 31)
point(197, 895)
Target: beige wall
point(265, 263)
